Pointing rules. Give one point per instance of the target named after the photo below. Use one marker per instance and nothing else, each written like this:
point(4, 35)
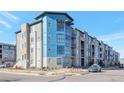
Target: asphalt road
point(104, 76)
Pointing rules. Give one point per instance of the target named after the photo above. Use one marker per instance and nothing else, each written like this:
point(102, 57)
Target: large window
point(60, 25)
point(59, 61)
point(60, 38)
point(60, 49)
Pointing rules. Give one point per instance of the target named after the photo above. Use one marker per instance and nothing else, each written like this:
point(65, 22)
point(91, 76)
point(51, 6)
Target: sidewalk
point(33, 72)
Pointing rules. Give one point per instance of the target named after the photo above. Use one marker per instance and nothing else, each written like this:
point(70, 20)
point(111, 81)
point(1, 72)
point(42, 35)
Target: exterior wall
point(19, 62)
point(7, 54)
point(0, 53)
point(25, 28)
point(39, 45)
point(102, 53)
point(36, 46)
point(51, 42)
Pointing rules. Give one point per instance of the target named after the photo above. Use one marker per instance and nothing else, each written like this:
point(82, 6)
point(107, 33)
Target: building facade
point(87, 50)
point(52, 42)
point(7, 54)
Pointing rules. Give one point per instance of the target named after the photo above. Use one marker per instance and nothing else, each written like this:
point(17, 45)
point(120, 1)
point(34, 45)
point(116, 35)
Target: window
point(0, 56)
point(22, 57)
point(32, 39)
point(23, 45)
point(32, 50)
point(12, 47)
point(23, 35)
point(59, 61)
point(49, 24)
point(0, 46)
point(60, 25)
point(25, 56)
point(32, 61)
point(32, 28)
point(100, 49)
point(60, 49)
point(68, 37)
point(60, 38)
point(0, 51)
point(100, 55)
point(6, 47)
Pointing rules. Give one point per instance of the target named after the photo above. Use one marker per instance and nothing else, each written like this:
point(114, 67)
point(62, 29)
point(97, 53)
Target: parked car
point(2, 66)
point(94, 68)
point(121, 65)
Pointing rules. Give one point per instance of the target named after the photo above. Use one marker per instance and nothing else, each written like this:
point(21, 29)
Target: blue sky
point(106, 26)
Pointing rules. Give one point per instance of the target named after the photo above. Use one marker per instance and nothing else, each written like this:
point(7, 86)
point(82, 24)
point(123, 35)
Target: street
point(104, 76)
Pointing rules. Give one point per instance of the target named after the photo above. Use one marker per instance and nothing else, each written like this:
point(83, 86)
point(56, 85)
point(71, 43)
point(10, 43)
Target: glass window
point(32, 39)
point(60, 49)
point(0, 46)
point(12, 47)
point(49, 24)
point(59, 61)
point(32, 50)
point(60, 38)
point(0, 56)
point(6, 47)
point(60, 25)
point(32, 28)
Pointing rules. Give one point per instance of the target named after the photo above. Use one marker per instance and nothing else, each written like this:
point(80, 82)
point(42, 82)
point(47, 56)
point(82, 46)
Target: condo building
point(52, 42)
point(7, 54)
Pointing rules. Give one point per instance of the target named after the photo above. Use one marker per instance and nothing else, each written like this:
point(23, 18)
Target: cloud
point(5, 23)
point(9, 16)
point(112, 37)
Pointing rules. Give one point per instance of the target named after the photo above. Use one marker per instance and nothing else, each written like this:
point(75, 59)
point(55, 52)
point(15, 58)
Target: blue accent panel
point(50, 35)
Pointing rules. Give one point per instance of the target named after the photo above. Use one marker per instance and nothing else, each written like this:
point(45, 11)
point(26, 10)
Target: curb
point(44, 74)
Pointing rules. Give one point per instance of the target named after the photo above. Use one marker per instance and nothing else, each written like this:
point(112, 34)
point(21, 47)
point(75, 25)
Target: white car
point(2, 66)
point(94, 68)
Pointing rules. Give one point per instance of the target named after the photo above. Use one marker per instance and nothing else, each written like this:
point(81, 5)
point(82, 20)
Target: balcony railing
point(73, 36)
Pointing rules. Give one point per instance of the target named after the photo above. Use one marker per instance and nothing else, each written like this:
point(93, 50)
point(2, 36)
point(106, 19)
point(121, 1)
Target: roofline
point(35, 22)
point(78, 30)
point(18, 32)
point(58, 13)
point(1, 43)
point(30, 25)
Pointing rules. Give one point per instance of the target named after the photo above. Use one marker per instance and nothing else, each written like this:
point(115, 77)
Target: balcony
point(73, 36)
point(73, 46)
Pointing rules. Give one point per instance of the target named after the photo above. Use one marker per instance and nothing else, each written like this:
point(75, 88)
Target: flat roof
point(18, 32)
point(1, 43)
point(36, 22)
point(57, 13)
